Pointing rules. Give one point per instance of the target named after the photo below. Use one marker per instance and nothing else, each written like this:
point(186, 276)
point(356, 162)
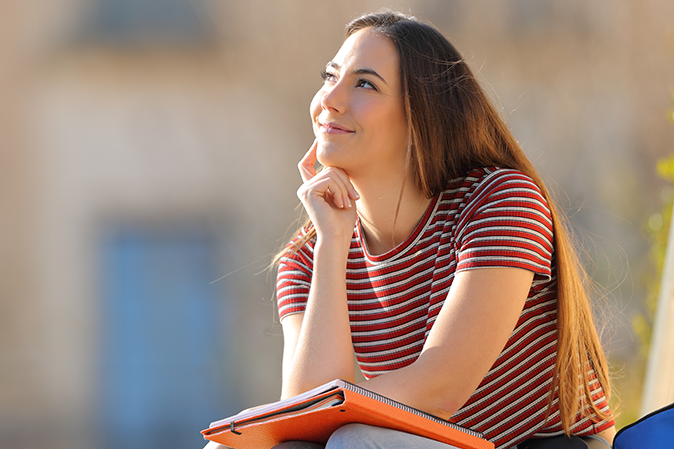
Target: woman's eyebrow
point(334, 65)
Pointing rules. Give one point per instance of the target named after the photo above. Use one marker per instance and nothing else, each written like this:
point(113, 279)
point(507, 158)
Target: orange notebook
point(314, 415)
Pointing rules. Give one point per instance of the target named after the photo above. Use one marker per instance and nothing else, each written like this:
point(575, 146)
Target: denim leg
point(595, 441)
point(361, 436)
point(298, 445)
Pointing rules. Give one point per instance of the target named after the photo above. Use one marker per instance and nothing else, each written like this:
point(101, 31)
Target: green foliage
point(665, 168)
point(657, 229)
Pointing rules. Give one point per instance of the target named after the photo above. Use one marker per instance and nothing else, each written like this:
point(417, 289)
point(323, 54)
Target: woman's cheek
point(315, 111)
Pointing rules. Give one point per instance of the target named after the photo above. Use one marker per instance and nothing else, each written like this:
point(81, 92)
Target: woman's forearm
point(323, 350)
point(474, 324)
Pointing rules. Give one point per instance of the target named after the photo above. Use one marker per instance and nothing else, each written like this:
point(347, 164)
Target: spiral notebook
point(314, 415)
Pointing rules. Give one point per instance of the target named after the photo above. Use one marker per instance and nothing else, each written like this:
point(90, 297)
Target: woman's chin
point(328, 154)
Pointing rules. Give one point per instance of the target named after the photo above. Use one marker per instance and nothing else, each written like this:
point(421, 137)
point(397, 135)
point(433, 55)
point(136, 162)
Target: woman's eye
point(327, 76)
point(366, 84)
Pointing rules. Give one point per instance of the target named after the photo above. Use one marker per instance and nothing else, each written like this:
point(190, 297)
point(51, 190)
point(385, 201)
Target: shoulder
point(299, 252)
point(504, 220)
point(484, 186)
point(487, 179)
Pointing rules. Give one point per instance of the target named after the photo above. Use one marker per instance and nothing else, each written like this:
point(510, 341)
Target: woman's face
point(358, 115)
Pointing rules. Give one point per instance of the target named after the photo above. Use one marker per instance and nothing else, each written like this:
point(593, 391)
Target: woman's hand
point(328, 197)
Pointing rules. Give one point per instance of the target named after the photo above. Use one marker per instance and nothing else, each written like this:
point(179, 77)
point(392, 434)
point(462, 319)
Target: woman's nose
point(335, 97)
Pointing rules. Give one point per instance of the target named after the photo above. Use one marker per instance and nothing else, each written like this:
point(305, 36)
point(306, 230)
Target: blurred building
point(148, 148)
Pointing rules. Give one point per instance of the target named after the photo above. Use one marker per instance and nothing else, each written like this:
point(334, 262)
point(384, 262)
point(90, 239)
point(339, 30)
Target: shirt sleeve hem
point(546, 275)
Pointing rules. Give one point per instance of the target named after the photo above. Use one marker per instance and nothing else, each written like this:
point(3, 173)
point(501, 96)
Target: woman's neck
point(382, 227)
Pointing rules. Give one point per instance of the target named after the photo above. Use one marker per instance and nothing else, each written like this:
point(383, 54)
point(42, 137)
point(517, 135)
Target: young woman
point(435, 253)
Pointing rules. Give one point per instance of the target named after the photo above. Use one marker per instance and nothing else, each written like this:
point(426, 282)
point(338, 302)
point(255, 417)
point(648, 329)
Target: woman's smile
point(334, 128)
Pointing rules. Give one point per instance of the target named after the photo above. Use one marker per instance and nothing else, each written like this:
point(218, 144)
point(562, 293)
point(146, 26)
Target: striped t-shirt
point(489, 218)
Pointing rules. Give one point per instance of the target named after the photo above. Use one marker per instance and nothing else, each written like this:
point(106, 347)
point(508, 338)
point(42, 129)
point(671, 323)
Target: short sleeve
point(293, 279)
point(506, 223)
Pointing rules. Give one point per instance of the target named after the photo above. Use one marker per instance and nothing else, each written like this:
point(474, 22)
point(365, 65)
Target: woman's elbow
point(443, 406)
point(441, 395)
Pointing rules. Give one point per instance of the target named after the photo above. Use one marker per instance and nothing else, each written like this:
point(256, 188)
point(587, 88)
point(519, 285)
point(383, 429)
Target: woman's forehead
point(367, 49)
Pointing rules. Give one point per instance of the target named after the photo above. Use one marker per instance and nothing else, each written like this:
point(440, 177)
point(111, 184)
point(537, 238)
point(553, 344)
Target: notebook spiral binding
point(407, 408)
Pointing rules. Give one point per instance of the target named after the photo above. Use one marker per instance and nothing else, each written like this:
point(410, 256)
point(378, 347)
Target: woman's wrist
point(336, 245)
point(334, 249)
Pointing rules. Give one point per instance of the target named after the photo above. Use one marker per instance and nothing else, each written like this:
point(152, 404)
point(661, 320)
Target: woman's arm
point(317, 343)
point(474, 324)
point(471, 330)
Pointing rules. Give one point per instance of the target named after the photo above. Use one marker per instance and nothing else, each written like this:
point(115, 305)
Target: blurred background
point(148, 155)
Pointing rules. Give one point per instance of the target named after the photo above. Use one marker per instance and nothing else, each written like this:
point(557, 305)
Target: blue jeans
point(361, 436)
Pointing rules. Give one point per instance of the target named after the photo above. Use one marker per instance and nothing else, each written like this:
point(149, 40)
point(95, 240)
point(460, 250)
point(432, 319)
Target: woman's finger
point(307, 171)
point(329, 186)
point(306, 164)
point(340, 187)
point(332, 184)
point(349, 190)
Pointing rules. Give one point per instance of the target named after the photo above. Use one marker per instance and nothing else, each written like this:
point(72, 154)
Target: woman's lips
point(334, 128)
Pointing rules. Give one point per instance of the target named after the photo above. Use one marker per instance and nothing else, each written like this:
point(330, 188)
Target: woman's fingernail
point(355, 192)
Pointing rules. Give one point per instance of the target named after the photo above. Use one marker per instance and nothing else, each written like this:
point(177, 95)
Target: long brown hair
point(454, 128)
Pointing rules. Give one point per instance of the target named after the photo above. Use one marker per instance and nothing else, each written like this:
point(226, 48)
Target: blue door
point(164, 351)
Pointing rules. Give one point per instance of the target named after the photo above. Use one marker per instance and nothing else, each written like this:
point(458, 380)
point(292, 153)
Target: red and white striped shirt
point(489, 218)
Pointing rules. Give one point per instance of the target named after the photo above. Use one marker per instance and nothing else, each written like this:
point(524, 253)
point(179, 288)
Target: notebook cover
point(317, 426)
